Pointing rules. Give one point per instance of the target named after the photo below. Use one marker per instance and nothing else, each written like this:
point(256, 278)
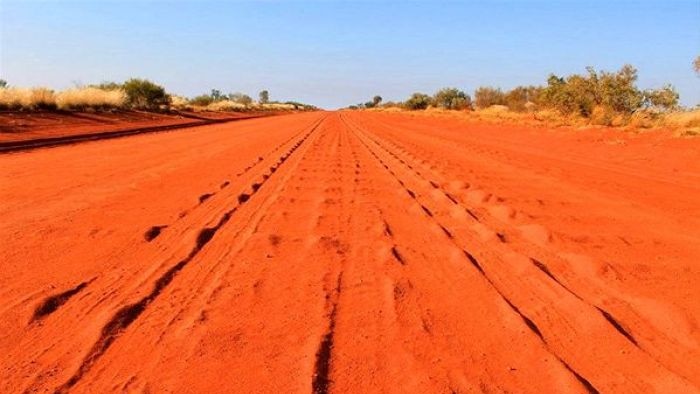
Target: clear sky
point(333, 53)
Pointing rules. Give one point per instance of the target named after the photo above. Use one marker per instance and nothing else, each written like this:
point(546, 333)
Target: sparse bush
point(664, 99)
point(522, 98)
point(90, 97)
point(240, 98)
point(580, 95)
point(144, 94)
point(3, 84)
point(452, 98)
point(486, 96)
point(202, 100)
point(418, 101)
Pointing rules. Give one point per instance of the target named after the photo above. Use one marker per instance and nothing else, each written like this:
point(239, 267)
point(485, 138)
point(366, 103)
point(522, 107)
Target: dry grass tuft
point(72, 99)
point(687, 122)
point(180, 103)
point(226, 105)
point(81, 98)
point(35, 98)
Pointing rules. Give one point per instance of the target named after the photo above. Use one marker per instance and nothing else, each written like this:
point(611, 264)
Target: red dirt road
point(352, 252)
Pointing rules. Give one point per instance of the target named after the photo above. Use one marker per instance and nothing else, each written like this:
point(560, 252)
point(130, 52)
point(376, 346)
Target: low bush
point(144, 94)
point(487, 96)
point(418, 101)
point(452, 98)
point(202, 100)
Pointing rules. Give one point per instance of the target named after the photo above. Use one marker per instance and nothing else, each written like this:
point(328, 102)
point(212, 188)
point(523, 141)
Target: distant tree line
point(594, 93)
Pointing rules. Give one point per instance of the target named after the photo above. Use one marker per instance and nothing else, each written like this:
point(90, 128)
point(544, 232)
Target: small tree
point(264, 97)
point(452, 98)
point(216, 95)
point(3, 84)
point(418, 101)
point(376, 100)
point(144, 94)
point(487, 96)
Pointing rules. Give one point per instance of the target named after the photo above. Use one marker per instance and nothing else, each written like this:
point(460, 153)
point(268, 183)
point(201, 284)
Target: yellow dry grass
point(89, 97)
point(684, 123)
point(15, 98)
point(226, 105)
point(78, 98)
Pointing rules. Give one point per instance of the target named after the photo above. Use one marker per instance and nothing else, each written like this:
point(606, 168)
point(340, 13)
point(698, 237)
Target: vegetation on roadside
point(216, 101)
point(594, 97)
point(137, 94)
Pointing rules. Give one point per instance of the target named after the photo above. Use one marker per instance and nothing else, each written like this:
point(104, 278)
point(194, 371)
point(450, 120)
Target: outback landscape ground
point(351, 251)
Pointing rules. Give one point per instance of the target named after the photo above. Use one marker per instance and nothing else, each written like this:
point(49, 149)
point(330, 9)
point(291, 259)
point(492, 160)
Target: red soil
point(353, 252)
point(23, 126)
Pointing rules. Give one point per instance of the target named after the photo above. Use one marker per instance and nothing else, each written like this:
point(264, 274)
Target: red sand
point(353, 252)
point(24, 126)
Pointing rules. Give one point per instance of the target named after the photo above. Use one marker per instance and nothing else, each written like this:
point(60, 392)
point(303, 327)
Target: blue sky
point(334, 53)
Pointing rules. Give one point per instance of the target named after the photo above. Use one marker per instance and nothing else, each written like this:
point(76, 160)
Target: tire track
point(608, 317)
point(50, 304)
point(527, 320)
point(126, 316)
point(321, 379)
point(18, 146)
point(155, 231)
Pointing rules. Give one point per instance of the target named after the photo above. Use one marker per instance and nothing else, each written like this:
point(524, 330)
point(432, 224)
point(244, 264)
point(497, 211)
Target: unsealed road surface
point(352, 252)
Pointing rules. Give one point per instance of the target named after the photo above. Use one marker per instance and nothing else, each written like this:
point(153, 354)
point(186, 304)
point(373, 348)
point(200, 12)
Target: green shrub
point(418, 101)
point(581, 94)
point(486, 96)
point(144, 94)
point(202, 100)
point(452, 98)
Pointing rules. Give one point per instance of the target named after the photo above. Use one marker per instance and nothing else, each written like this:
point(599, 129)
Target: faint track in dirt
point(125, 316)
point(19, 146)
point(538, 249)
point(607, 317)
point(52, 303)
point(529, 323)
point(155, 231)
